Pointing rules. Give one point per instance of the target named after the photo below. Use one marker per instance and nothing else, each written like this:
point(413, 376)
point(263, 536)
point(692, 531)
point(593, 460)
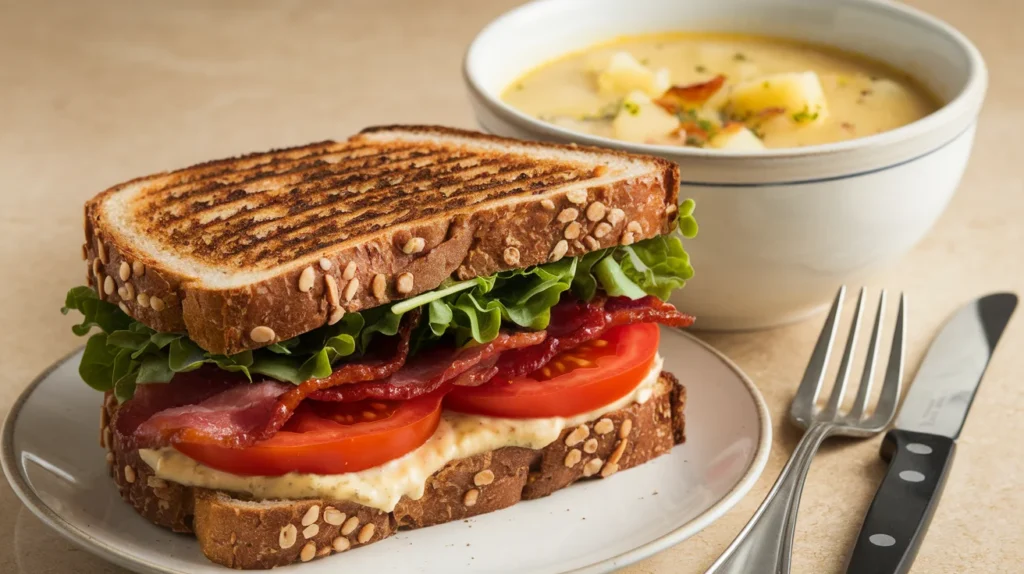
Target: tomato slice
point(331, 438)
point(576, 381)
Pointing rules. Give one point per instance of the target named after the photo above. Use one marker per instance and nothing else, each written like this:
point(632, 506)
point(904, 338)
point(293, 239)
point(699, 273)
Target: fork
point(765, 544)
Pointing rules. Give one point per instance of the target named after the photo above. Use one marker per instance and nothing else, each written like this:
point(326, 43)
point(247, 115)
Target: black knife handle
point(904, 503)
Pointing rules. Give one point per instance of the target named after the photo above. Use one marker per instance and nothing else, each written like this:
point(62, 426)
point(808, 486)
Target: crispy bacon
point(234, 417)
point(187, 389)
point(574, 323)
point(244, 414)
point(680, 98)
point(623, 311)
point(469, 366)
point(226, 410)
point(351, 373)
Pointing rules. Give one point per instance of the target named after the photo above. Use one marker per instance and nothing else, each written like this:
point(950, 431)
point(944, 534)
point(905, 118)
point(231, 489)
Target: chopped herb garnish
point(701, 69)
point(730, 114)
point(874, 78)
point(739, 57)
point(766, 84)
point(606, 113)
point(645, 61)
point(687, 115)
point(519, 87)
point(866, 92)
point(804, 116)
point(632, 107)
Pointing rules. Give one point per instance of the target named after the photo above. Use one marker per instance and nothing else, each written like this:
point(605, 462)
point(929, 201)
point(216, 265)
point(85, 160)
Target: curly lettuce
point(125, 353)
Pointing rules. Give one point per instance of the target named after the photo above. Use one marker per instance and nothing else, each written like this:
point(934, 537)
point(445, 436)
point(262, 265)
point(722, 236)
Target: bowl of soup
point(820, 140)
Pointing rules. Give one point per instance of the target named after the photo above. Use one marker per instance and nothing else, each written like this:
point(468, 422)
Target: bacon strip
point(574, 323)
point(226, 410)
point(232, 418)
point(242, 414)
point(187, 389)
point(680, 98)
point(469, 366)
point(351, 373)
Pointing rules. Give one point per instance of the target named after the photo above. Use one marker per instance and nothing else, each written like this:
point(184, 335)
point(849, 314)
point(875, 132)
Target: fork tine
point(802, 407)
point(843, 376)
point(890, 394)
point(868, 376)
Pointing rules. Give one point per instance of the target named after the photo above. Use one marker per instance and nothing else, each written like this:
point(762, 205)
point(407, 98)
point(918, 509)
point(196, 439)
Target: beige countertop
point(93, 96)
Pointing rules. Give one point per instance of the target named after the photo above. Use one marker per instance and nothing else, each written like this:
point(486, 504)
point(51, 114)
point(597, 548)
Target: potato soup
point(720, 91)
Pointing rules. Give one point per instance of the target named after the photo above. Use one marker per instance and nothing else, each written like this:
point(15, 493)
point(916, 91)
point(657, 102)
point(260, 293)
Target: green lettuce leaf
point(658, 266)
point(126, 353)
point(97, 365)
point(107, 316)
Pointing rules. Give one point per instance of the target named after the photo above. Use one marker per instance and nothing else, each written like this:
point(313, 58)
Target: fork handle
point(765, 544)
point(903, 506)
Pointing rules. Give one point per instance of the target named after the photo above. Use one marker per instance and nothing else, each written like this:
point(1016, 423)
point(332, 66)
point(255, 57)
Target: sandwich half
point(304, 350)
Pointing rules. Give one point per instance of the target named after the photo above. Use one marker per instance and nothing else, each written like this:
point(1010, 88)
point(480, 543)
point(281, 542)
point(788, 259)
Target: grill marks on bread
point(224, 244)
point(291, 204)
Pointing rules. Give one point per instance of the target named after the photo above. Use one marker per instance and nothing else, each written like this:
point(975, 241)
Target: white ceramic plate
point(52, 458)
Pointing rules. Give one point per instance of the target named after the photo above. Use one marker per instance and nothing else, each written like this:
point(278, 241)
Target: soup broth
point(720, 91)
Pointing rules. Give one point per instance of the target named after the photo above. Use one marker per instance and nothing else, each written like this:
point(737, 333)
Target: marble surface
point(94, 95)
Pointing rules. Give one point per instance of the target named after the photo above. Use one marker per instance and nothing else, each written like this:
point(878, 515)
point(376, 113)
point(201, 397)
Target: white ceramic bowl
point(779, 230)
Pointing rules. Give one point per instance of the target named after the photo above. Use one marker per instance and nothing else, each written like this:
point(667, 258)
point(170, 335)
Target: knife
point(919, 449)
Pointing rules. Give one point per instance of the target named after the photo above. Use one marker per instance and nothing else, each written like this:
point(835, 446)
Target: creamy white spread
point(457, 436)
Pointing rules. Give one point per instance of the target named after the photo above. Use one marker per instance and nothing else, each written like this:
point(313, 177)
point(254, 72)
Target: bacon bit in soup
point(679, 98)
point(755, 121)
point(695, 133)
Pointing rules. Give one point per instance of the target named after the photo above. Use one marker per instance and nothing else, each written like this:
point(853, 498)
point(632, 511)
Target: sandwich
point(305, 350)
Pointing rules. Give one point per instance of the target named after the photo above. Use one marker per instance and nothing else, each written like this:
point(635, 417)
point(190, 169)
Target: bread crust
point(245, 534)
point(531, 227)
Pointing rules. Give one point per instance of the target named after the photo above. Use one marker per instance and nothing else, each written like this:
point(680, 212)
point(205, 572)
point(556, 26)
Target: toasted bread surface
point(243, 252)
point(257, 534)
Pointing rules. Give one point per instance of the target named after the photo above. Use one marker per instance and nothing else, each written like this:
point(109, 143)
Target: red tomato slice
point(580, 380)
point(331, 438)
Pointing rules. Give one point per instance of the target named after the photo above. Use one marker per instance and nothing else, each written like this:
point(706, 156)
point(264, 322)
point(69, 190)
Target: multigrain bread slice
point(259, 534)
point(243, 252)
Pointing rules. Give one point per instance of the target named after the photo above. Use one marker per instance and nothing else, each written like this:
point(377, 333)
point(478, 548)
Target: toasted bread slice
point(256, 534)
point(243, 252)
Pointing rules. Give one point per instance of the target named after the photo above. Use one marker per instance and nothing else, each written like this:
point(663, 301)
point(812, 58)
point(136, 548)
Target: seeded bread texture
point(244, 252)
point(247, 534)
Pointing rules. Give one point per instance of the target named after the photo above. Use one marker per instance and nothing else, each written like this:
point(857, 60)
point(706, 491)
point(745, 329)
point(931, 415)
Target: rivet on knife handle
point(904, 504)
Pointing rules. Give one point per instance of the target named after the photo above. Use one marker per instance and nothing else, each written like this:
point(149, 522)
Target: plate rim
point(113, 554)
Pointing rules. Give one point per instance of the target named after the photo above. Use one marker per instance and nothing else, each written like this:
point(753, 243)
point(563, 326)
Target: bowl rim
point(967, 101)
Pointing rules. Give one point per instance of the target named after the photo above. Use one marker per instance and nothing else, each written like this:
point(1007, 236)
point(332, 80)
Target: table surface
point(91, 96)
